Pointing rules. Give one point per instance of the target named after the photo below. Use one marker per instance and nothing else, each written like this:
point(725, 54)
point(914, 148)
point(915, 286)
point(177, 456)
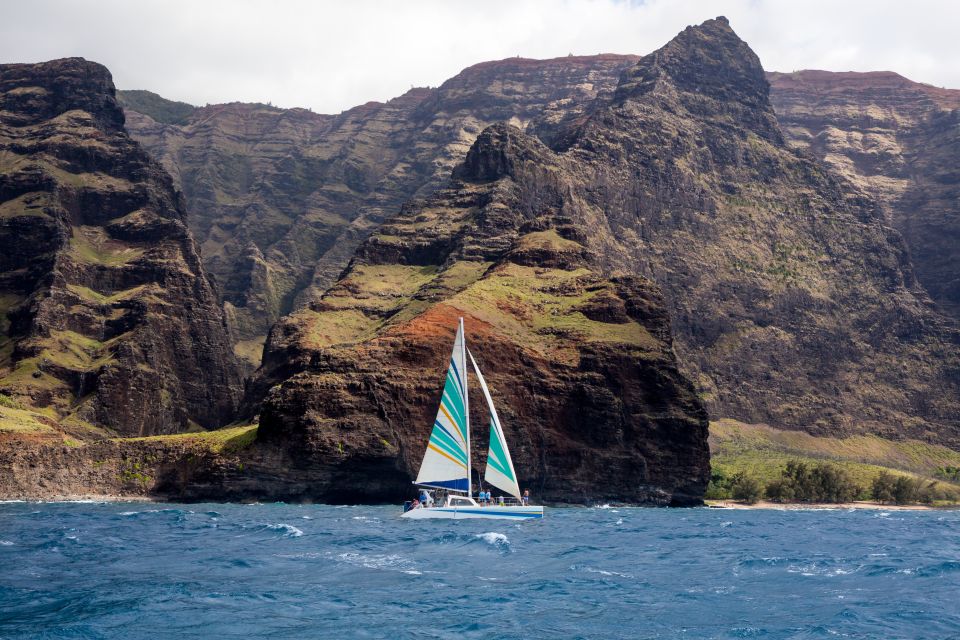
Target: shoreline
point(825, 506)
point(708, 504)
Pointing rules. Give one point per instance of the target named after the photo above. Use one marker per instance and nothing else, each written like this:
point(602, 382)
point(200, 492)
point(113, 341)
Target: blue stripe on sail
point(453, 367)
point(437, 425)
point(460, 484)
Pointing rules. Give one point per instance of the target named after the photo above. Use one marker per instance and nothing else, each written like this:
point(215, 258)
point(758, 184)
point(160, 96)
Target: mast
point(466, 409)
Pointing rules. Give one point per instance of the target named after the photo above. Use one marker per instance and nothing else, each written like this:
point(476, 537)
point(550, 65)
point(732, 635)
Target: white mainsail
point(446, 464)
point(500, 472)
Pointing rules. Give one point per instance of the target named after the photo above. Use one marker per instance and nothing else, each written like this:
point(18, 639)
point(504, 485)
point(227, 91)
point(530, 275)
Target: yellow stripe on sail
point(453, 422)
point(446, 455)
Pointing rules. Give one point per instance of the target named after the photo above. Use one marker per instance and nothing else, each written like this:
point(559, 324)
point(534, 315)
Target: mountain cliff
point(792, 302)
point(897, 140)
point(280, 198)
point(579, 359)
point(107, 318)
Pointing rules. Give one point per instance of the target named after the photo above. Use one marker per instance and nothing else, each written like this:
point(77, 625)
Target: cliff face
point(897, 140)
point(793, 303)
point(279, 199)
point(107, 317)
point(579, 360)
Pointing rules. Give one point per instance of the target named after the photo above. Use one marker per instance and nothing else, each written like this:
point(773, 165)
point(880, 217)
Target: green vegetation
point(823, 482)
point(15, 419)
point(92, 245)
point(797, 467)
point(227, 440)
point(888, 488)
point(155, 106)
point(8, 402)
point(746, 489)
point(532, 304)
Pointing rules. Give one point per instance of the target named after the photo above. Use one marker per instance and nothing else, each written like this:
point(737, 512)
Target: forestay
point(500, 472)
point(446, 463)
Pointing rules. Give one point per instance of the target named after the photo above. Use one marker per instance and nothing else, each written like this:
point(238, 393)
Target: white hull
point(475, 512)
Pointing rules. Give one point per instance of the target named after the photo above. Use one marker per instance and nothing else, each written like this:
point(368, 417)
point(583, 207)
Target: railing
point(500, 501)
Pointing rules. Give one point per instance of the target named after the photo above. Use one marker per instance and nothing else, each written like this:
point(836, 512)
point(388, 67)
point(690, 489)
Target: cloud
point(330, 56)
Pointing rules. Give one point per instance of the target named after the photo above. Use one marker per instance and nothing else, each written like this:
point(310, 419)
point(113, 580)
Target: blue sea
point(139, 570)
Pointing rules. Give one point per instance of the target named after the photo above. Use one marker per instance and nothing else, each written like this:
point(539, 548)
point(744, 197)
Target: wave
point(493, 538)
point(289, 531)
point(5, 543)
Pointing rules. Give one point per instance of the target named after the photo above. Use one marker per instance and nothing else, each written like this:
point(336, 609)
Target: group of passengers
point(484, 498)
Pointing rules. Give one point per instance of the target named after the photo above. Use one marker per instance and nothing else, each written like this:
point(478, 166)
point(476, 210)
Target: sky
point(329, 56)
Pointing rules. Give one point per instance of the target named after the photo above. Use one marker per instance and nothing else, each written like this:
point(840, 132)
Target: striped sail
point(446, 463)
point(500, 472)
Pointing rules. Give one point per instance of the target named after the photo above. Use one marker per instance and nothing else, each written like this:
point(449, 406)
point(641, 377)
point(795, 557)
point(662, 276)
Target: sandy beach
point(764, 504)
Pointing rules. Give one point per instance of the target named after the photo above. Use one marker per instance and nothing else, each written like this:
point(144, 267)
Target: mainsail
point(500, 471)
point(446, 464)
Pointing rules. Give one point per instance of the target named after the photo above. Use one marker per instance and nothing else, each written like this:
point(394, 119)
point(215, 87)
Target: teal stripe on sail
point(453, 399)
point(444, 442)
point(496, 457)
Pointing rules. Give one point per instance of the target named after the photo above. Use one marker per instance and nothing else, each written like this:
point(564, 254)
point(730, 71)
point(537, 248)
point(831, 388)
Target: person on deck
point(526, 497)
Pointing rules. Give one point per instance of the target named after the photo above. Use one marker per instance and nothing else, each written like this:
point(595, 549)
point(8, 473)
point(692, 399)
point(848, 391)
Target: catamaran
point(446, 463)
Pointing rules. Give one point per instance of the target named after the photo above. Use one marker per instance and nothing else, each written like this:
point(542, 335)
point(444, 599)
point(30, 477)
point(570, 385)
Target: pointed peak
point(703, 68)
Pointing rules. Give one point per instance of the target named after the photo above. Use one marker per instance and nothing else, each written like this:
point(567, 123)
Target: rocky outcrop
point(280, 198)
point(579, 360)
point(898, 141)
point(108, 320)
point(793, 302)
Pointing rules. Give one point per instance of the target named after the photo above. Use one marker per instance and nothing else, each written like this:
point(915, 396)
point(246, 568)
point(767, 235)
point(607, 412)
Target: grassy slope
point(762, 452)
point(226, 440)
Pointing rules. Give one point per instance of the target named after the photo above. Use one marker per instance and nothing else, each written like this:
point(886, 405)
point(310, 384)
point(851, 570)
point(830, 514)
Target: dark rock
point(108, 314)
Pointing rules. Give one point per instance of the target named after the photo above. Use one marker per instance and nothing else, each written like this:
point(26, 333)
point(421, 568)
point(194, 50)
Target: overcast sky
point(330, 56)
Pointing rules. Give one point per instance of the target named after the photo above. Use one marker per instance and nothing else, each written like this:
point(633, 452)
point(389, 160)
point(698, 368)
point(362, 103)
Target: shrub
point(718, 488)
point(906, 490)
point(746, 488)
point(882, 488)
point(819, 483)
point(780, 491)
point(950, 474)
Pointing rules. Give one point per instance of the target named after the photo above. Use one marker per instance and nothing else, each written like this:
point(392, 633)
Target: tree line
point(826, 483)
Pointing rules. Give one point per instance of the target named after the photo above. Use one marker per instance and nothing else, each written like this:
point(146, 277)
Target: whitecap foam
point(387, 562)
point(598, 571)
point(494, 538)
point(288, 529)
point(5, 543)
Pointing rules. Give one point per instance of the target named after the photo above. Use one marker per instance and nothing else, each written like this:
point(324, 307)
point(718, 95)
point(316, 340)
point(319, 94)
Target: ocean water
point(135, 570)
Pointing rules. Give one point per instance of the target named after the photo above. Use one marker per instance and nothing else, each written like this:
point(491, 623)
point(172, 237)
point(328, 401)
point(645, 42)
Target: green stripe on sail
point(496, 449)
point(443, 441)
point(451, 392)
